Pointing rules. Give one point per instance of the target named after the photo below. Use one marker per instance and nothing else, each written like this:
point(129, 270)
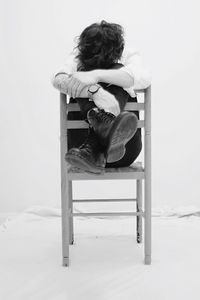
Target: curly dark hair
point(100, 45)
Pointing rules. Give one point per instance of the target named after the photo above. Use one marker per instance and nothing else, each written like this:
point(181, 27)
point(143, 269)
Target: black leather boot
point(113, 132)
point(89, 156)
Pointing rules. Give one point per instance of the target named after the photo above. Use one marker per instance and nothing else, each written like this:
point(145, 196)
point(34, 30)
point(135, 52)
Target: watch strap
point(63, 73)
point(91, 94)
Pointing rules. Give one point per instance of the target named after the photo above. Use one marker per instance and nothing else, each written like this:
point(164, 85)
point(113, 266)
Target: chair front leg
point(65, 221)
point(139, 209)
point(71, 225)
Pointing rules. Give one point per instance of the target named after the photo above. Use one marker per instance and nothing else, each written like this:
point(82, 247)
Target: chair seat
point(134, 171)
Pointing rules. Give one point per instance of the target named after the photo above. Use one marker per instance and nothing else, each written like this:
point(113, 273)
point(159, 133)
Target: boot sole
point(77, 161)
point(122, 131)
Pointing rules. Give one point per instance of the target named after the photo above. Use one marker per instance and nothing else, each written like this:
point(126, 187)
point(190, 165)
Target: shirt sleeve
point(69, 67)
point(132, 62)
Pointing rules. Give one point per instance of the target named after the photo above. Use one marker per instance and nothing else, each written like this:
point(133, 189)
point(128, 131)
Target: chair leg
point(147, 220)
point(147, 180)
point(139, 209)
point(71, 225)
point(65, 220)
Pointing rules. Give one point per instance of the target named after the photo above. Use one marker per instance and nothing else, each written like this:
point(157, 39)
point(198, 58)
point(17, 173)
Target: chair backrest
point(145, 123)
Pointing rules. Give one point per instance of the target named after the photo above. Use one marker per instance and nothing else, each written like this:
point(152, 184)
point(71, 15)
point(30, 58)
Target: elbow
point(54, 81)
point(128, 80)
point(143, 81)
point(146, 82)
point(147, 78)
point(129, 83)
point(59, 83)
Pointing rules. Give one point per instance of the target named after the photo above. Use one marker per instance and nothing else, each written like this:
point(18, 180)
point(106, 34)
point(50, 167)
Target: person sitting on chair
point(101, 75)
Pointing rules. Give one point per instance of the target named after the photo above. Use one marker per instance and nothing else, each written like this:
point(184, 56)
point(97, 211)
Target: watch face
point(93, 88)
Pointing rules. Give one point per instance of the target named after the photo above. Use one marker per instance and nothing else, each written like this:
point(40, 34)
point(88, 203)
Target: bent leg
point(133, 147)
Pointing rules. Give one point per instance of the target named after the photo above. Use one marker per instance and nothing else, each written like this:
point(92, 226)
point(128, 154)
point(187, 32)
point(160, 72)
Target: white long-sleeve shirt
point(132, 62)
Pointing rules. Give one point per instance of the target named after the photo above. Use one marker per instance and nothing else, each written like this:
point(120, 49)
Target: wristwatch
point(64, 73)
point(93, 89)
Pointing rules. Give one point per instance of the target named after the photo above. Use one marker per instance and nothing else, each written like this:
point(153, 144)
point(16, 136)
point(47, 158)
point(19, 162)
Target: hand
point(79, 80)
point(105, 100)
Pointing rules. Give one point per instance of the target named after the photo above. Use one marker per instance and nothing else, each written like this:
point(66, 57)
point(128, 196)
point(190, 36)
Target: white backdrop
point(36, 37)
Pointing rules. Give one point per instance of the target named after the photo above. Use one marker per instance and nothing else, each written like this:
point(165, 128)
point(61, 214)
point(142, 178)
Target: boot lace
point(105, 116)
point(90, 142)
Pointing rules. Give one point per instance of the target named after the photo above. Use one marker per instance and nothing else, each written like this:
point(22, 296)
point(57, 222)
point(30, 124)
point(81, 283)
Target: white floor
point(105, 262)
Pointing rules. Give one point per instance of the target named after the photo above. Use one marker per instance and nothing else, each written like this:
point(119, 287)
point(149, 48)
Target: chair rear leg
point(139, 209)
point(147, 221)
point(147, 180)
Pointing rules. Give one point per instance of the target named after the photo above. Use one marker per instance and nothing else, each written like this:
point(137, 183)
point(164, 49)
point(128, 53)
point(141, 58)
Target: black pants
point(77, 136)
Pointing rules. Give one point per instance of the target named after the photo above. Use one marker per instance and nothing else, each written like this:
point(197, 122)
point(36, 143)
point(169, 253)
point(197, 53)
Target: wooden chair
point(136, 171)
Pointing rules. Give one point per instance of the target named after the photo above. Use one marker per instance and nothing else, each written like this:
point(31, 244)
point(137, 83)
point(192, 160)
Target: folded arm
point(74, 85)
point(131, 76)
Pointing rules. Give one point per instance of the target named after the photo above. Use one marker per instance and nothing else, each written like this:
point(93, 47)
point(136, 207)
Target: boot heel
point(115, 153)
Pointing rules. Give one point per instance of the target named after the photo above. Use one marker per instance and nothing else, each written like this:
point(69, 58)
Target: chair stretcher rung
point(129, 106)
point(109, 214)
point(82, 124)
point(107, 176)
point(103, 200)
